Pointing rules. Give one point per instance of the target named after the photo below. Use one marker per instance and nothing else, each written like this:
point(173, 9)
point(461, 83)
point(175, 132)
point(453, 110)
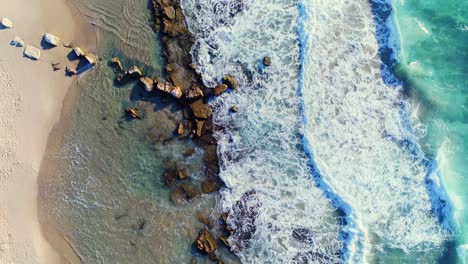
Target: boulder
point(231, 81)
point(206, 242)
point(78, 52)
point(183, 174)
point(220, 88)
point(133, 113)
point(51, 39)
point(115, 62)
point(134, 71)
point(147, 83)
point(195, 92)
point(267, 61)
point(199, 128)
point(17, 41)
point(7, 23)
point(32, 52)
point(181, 129)
point(176, 92)
point(91, 58)
point(233, 109)
point(163, 86)
point(200, 110)
point(210, 186)
point(169, 12)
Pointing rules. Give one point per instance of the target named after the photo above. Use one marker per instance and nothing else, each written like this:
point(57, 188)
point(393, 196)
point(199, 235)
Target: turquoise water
point(433, 60)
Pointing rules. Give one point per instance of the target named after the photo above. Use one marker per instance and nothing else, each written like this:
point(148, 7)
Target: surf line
point(350, 232)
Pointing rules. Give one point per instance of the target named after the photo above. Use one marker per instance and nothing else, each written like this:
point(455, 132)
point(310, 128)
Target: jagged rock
point(200, 110)
point(91, 58)
point(147, 83)
point(199, 127)
point(7, 23)
point(117, 64)
point(176, 92)
point(181, 128)
point(51, 39)
point(133, 113)
point(206, 242)
point(231, 81)
point(233, 109)
point(195, 92)
point(210, 186)
point(182, 173)
point(134, 71)
point(220, 88)
point(78, 52)
point(32, 52)
point(267, 61)
point(17, 41)
point(163, 85)
point(170, 12)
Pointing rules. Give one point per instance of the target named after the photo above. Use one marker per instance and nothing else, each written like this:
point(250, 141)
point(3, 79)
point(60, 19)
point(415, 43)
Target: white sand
point(31, 96)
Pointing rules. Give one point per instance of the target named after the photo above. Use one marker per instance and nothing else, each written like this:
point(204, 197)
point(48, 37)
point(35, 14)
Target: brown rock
point(176, 92)
point(233, 109)
point(195, 92)
point(199, 128)
point(220, 88)
point(231, 81)
point(206, 243)
point(183, 174)
point(200, 110)
point(181, 128)
point(210, 186)
point(115, 62)
point(147, 83)
point(163, 85)
point(170, 12)
point(133, 113)
point(204, 218)
point(224, 240)
point(267, 61)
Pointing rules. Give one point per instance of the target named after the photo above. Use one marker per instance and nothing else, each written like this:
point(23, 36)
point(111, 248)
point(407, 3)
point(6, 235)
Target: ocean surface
point(350, 148)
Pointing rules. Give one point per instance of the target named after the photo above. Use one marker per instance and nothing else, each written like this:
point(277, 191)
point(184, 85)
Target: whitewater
point(321, 161)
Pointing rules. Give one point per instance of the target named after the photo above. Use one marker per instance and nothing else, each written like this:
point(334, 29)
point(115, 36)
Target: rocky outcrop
point(200, 109)
point(206, 242)
point(32, 52)
point(51, 39)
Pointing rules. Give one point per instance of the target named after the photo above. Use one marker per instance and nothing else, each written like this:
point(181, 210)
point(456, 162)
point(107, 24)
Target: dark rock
point(233, 109)
point(210, 186)
point(170, 176)
point(220, 88)
point(231, 81)
point(194, 92)
point(188, 152)
point(224, 240)
point(267, 61)
point(206, 242)
point(200, 110)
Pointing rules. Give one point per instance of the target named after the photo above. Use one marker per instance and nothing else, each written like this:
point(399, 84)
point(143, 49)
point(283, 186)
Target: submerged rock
point(220, 88)
point(147, 83)
point(200, 110)
point(183, 193)
point(206, 242)
point(231, 81)
point(32, 52)
point(210, 186)
point(7, 23)
point(51, 39)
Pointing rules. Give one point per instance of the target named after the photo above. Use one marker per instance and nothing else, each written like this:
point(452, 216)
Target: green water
point(434, 62)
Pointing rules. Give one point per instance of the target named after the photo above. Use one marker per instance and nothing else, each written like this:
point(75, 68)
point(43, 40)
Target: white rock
point(51, 39)
point(17, 41)
point(176, 92)
point(7, 23)
point(78, 51)
point(32, 52)
point(91, 58)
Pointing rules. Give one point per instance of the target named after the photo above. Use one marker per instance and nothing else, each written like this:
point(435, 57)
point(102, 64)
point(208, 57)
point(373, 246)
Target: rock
point(133, 113)
point(67, 45)
point(206, 243)
point(176, 92)
point(182, 173)
point(204, 218)
point(210, 186)
point(91, 58)
point(134, 71)
point(181, 129)
point(169, 12)
point(78, 52)
point(231, 81)
point(70, 72)
point(17, 41)
point(199, 128)
point(56, 66)
point(195, 92)
point(190, 192)
point(7, 23)
point(224, 240)
point(147, 83)
point(164, 86)
point(32, 52)
point(117, 64)
point(267, 61)
point(51, 39)
point(233, 109)
point(200, 110)
point(188, 152)
point(170, 176)
point(220, 88)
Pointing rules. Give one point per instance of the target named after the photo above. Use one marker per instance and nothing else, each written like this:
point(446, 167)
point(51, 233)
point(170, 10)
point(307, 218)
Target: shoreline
point(33, 107)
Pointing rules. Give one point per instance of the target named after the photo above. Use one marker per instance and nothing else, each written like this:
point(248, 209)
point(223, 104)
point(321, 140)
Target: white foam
point(358, 135)
point(261, 147)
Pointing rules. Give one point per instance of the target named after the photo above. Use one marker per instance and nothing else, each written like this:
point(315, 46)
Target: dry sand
point(31, 97)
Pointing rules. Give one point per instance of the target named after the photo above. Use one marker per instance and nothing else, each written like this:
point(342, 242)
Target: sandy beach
point(31, 103)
